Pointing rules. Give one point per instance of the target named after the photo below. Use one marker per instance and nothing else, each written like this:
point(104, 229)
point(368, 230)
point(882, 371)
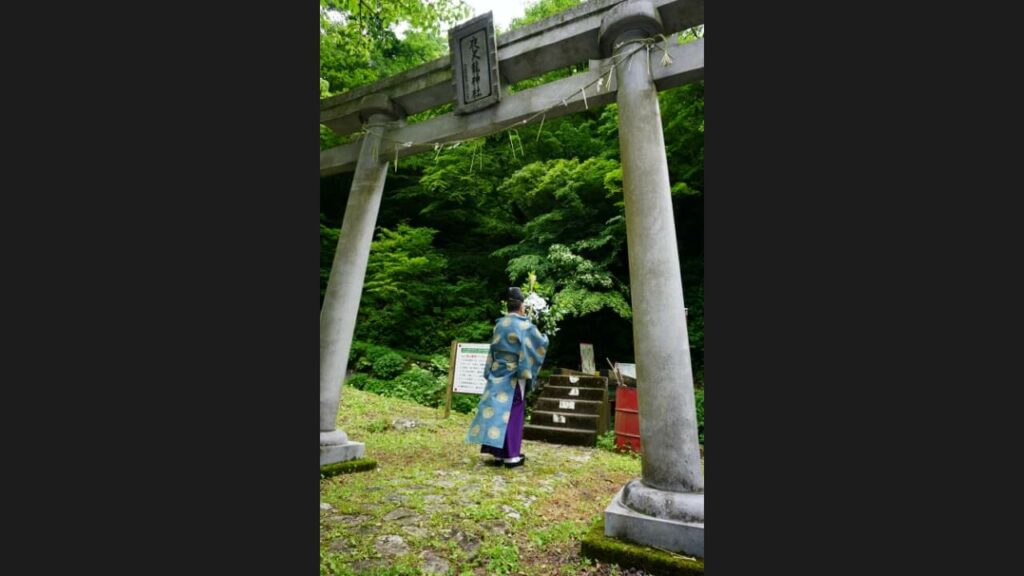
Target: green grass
point(463, 510)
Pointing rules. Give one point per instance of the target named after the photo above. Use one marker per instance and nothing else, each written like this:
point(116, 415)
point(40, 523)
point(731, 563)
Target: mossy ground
point(348, 467)
point(599, 547)
point(453, 512)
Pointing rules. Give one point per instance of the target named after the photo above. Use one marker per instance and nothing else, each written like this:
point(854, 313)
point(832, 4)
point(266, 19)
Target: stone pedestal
point(330, 454)
point(682, 535)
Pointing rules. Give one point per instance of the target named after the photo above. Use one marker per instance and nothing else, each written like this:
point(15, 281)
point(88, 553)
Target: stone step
point(553, 435)
point(562, 405)
point(566, 393)
point(580, 421)
point(580, 381)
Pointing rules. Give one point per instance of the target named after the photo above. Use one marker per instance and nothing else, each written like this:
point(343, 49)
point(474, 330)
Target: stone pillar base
point(332, 453)
point(627, 524)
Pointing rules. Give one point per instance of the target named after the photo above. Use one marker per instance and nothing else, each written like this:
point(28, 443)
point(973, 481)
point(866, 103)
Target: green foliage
point(691, 34)
point(695, 330)
point(575, 237)
point(459, 225)
point(370, 353)
point(565, 201)
point(541, 9)
point(377, 386)
point(438, 365)
point(699, 400)
point(361, 381)
point(364, 354)
point(606, 441)
point(328, 245)
point(578, 287)
point(403, 257)
point(408, 302)
point(328, 139)
point(465, 403)
point(420, 386)
point(682, 111)
point(421, 379)
point(388, 365)
point(400, 293)
point(359, 43)
point(467, 314)
point(455, 177)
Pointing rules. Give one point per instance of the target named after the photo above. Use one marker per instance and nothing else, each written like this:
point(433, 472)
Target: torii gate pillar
point(345, 286)
point(665, 508)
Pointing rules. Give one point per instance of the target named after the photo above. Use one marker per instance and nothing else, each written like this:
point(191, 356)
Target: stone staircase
point(571, 409)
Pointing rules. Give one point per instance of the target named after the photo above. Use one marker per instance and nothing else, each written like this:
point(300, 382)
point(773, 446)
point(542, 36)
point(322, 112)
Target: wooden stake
point(451, 381)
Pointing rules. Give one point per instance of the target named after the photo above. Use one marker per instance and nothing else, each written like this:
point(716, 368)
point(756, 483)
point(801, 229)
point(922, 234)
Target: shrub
point(465, 403)
point(363, 354)
point(377, 386)
point(439, 364)
point(359, 381)
point(420, 386)
point(388, 365)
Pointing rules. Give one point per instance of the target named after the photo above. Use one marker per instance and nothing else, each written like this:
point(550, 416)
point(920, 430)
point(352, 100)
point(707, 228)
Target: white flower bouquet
point(538, 311)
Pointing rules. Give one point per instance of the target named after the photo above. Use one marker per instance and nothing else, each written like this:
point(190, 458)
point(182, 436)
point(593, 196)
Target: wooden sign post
point(451, 378)
point(587, 365)
point(466, 371)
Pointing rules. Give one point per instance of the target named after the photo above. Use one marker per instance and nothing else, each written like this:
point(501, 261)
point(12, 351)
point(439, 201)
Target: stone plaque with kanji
point(474, 64)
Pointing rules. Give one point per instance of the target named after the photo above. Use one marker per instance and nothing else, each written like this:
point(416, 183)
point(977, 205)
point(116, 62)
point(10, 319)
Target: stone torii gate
point(665, 508)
